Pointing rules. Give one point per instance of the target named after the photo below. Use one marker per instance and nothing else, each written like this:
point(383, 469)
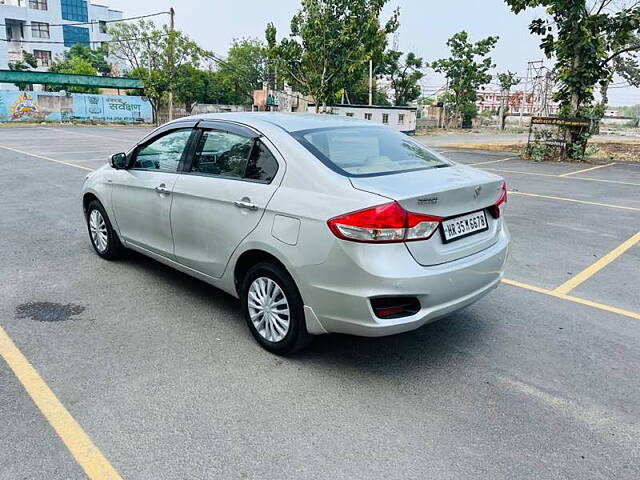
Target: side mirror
point(119, 161)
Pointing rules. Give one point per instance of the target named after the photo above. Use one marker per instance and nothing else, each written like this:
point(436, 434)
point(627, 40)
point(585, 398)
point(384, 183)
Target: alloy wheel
point(98, 230)
point(268, 309)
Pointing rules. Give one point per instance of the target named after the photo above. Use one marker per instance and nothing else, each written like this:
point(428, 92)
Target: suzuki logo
point(476, 191)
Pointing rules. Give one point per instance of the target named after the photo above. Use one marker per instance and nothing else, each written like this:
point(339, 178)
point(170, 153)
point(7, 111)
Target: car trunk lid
point(444, 192)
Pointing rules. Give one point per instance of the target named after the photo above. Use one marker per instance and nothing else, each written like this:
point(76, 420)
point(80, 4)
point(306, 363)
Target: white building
point(47, 28)
point(535, 103)
point(402, 119)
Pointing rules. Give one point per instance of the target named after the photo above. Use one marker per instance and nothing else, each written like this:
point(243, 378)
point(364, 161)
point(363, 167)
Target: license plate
point(463, 226)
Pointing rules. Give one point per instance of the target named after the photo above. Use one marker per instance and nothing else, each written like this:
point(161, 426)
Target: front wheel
point(103, 237)
point(273, 309)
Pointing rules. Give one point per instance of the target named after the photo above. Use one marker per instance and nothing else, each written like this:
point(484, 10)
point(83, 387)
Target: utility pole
point(172, 13)
point(370, 82)
point(445, 122)
point(524, 95)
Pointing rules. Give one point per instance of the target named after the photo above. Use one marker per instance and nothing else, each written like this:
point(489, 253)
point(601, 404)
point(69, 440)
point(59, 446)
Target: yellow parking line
point(574, 200)
point(94, 464)
point(586, 170)
point(582, 301)
point(49, 159)
point(591, 270)
point(585, 179)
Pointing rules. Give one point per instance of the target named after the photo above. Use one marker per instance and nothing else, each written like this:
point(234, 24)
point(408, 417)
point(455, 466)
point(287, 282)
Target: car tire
point(103, 237)
point(265, 313)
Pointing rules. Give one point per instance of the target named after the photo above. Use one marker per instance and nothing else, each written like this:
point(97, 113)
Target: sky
point(425, 26)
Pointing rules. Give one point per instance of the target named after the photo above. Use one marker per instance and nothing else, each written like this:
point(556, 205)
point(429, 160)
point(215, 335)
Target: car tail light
point(384, 224)
point(496, 210)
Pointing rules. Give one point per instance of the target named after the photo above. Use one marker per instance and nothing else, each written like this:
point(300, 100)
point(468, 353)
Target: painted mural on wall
point(24, 106)
point(77, 107)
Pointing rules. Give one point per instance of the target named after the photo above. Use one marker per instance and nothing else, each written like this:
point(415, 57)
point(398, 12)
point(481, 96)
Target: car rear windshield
point(369, 151)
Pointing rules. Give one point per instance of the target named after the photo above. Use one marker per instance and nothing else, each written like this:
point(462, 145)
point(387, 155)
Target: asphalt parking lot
point(131, 370)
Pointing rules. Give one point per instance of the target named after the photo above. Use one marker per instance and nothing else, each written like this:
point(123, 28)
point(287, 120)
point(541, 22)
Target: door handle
point(246, 203)
point(162, 189)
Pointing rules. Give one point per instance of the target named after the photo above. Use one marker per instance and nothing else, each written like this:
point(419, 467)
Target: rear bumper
point(337, 293)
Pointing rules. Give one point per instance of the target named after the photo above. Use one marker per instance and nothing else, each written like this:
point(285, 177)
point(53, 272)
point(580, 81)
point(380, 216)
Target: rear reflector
point(395, 307)
point(384, 224)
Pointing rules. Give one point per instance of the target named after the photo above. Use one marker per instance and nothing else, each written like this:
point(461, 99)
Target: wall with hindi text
point(16, 106)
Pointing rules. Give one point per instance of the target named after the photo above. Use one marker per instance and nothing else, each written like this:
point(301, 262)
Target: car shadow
point(439, 345)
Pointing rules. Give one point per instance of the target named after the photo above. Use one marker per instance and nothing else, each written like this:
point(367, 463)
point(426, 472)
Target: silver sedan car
point(317, 223)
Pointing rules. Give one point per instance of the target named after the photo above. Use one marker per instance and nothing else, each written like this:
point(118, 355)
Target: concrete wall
point(18, 106)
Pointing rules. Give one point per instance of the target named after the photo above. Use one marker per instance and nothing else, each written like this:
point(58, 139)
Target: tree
point(190, 86)
point(73, 66)
point(627, 67)
point(330, 44)
point(96, 57)
point(466, 73)
point(585, 37)
point(244, 70)
point(154, 55)
point(80, 60)
point(28, 61)
point(506, 80)
point(404, 76)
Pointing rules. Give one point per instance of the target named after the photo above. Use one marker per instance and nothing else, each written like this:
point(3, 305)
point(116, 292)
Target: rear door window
point(262, 165)
point(222, 153)
point(227, 154)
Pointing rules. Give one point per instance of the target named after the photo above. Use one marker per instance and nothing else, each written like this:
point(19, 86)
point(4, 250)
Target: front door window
point(163, 154)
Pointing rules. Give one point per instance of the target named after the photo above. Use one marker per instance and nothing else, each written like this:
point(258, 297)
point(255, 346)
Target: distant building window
point(39, 30)
point(349, 114)
point(73, 35)
point(43, 57)
point(38, 5)
point(102, 26)
point(75, 10)
point(367, 116)
point(385, 118)
point(401, 119)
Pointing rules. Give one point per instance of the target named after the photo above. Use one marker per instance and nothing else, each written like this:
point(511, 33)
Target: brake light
point(384, 224)
point(496, 210)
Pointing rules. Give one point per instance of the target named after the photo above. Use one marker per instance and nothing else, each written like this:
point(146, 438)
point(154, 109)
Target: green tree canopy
point(28, 62)
point(97, 57)
point(244, 70)
point(466, 70)
point(73, 66)
point(154, 55)
point(330, 43)
point(404, 76)
point(584, 37)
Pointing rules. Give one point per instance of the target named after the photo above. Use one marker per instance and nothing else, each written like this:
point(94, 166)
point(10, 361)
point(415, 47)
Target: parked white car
point(317, 223)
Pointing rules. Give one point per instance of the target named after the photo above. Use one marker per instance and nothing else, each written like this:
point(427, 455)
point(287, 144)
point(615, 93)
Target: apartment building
point(47, 28)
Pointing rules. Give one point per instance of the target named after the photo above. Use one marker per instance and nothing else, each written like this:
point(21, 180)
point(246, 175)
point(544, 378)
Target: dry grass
point(601, 150)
